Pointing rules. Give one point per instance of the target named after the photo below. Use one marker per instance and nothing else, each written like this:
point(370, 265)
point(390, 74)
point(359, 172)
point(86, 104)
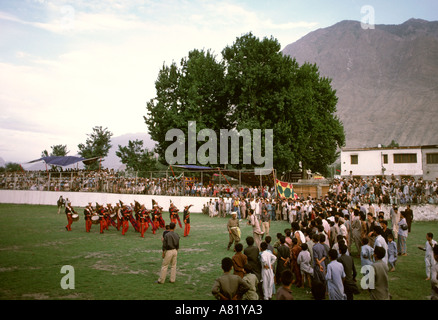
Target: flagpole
point(274, 176)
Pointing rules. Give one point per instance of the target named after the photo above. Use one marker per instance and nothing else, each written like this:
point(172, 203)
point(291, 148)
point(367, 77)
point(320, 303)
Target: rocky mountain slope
point(386, 79)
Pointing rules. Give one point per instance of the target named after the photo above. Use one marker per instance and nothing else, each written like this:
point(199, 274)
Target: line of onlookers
point(387, 190)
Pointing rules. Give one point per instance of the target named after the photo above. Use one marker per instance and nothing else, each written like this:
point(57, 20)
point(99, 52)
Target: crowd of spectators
point(391, 190)
point(384, 190)
point(116, 182)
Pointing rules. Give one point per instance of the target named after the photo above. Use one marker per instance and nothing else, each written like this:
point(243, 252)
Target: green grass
point(34, 246)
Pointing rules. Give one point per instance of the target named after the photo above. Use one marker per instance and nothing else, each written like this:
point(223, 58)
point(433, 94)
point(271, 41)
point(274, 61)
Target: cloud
point(101, 60)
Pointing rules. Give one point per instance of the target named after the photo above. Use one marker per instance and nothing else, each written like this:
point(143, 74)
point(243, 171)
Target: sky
point(68, 66)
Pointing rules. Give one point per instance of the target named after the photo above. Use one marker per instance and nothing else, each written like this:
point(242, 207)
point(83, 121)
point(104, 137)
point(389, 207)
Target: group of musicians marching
point(121, 215)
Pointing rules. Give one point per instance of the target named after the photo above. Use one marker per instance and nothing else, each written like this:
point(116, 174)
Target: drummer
point(88, 212)
point(101, 212)
point(69, 211)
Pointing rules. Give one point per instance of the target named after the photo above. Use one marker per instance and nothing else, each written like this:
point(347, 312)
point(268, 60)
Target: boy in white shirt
point(428, 259)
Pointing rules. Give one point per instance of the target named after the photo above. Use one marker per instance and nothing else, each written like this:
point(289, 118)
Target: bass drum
point(95, 219)
point(75, 217)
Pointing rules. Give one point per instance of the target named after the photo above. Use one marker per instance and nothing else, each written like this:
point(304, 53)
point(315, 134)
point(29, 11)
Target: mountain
point(386, 79)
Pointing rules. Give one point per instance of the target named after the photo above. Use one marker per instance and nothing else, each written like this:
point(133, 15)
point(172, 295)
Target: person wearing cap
point(186, 219)
point(126, 213)
point(233, 230)
point(69, 212)
point(88, 212)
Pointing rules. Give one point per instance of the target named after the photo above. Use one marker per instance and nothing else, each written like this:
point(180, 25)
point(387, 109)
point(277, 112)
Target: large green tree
point(136, 157)
point(96, 145)
point(192, 91)
point(254, 86)
point(58, 150)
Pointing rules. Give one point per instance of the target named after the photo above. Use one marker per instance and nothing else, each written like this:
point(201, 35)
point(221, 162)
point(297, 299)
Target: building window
point(431, 158)
point(385, 158)
point(354, 158)
point(405, 158)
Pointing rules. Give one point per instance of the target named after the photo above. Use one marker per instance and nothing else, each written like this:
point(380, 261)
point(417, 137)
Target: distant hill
point(386, 79)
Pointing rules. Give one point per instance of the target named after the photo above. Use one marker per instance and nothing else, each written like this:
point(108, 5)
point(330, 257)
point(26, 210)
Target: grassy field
point(34, 246)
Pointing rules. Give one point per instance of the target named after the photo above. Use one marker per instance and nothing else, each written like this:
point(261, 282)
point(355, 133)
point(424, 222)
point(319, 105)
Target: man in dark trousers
point(252, 253)
point(409, 216)
point(350, 287)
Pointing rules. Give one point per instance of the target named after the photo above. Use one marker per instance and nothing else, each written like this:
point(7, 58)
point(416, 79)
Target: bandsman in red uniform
point(144, 220)
point(157, 218)
point(126, 216)
point(186, 218)
point(100, 210)
point(88, 213)
point(69, 212)
point(173, 212)
point(109, 213)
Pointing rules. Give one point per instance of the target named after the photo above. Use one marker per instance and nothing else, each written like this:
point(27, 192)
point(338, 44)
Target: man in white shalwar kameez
point(380, 242)
point(256, 231)
point(335, 275)
point(267, 260)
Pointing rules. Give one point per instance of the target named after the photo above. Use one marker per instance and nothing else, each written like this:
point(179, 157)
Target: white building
point(413, 161)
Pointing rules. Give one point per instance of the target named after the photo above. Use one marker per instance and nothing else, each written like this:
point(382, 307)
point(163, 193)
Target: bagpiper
point(186, 218)
point(109, 212)
point(174, 216)
point(157, 219)
point(144, 220)
point(126, 215)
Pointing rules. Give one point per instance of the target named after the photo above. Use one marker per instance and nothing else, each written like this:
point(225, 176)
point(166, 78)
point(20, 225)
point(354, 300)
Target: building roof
point(390, 148)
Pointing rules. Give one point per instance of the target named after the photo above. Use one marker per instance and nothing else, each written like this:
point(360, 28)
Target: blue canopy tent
point(64, 161)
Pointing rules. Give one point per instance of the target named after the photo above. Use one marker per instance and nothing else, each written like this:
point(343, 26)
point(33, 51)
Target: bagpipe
point(186, 210)
point(157, 214)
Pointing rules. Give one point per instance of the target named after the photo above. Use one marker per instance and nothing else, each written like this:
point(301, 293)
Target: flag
point(285, 190)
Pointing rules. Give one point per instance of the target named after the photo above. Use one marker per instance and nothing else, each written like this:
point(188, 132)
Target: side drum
point(95, 219)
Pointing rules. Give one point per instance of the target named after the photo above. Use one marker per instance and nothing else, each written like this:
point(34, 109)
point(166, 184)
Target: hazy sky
point(67, 66)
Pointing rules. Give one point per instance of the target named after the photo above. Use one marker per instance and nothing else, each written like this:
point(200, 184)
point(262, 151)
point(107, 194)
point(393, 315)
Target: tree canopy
point(254, 86)
point(58, 150)
point(97, 145)
point(136, 157)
